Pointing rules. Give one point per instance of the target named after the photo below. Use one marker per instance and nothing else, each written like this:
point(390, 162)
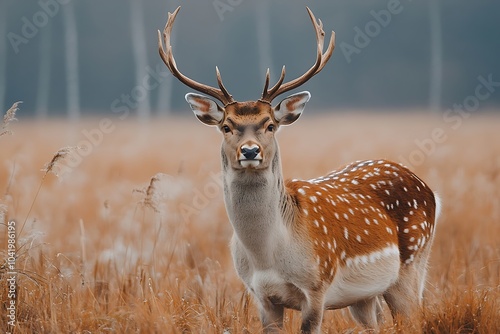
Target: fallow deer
point(346, 239)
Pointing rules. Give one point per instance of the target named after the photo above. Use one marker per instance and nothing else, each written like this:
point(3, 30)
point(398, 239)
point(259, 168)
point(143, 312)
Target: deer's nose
point(250, 152)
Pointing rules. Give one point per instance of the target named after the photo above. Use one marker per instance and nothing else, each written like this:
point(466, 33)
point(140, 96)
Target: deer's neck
point(259, 208)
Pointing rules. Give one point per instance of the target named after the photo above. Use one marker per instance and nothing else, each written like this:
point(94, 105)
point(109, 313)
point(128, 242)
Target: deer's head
point(248, 127)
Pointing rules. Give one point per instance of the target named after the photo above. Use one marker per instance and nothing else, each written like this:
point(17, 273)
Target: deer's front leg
point(271, 316)
point(312, 312)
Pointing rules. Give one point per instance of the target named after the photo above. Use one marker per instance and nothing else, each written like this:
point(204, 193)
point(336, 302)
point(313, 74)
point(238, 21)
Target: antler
point(321, 60)
point(168, 58)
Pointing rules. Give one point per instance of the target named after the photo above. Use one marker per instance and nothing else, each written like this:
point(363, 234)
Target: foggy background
point(77, 58)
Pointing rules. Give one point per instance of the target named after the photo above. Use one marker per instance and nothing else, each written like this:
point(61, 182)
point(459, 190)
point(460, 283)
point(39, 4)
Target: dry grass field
point(132, 235)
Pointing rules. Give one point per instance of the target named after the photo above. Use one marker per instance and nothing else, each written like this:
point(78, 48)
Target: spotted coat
point(354, 213)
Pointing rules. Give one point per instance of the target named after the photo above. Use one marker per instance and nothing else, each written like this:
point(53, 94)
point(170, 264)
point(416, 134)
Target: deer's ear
point(206, 109)
point(290, 109)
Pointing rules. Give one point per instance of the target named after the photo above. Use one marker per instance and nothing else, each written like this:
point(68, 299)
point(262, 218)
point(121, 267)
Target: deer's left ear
point(290, 109)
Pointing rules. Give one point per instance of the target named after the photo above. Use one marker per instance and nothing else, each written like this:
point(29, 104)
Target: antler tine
point(228, 96)
point(168, 58)
point(278, 84)
point(328, 53)
point(266, 85)
point(321, 60)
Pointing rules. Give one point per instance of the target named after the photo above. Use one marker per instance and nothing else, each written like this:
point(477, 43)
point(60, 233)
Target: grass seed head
point(9, 117)
point(62, 154)
point(154, 192)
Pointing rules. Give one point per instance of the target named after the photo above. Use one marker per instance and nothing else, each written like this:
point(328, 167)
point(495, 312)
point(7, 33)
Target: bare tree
point(165, 96)
point(43, 91)
point(166, 87)
point(436, 68)
point(264, 39)
point(165, 91)
point(3, 52)
point(139, 50)
point(71, 49)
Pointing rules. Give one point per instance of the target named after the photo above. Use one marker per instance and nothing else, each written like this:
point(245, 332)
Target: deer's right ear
point(206, 109)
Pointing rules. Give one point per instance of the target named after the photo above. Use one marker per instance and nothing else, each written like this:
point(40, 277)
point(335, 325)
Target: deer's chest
point(271, 286)
point(281, 282)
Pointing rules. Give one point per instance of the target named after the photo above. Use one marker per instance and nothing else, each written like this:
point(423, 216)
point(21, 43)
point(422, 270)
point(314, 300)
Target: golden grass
point(135, 237)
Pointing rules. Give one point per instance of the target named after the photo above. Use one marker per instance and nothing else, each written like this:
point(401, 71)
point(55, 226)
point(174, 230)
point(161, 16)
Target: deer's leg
point(380, 311)
point(405, 296)
point(312, 312)
point(402, 298)
point(271, 316)
point(367, 312)
point(421, 265)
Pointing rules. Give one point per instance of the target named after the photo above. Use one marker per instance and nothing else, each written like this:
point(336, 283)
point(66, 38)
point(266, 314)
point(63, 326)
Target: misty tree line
point(137, 37)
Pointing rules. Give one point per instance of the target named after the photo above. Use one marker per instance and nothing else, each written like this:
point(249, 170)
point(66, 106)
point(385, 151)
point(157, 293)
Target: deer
point(352, 238)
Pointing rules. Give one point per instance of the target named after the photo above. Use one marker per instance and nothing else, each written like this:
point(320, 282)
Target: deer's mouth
point(250, 163)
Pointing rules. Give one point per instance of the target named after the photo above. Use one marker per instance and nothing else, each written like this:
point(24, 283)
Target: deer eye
point(226, 129)
point(270, 127)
